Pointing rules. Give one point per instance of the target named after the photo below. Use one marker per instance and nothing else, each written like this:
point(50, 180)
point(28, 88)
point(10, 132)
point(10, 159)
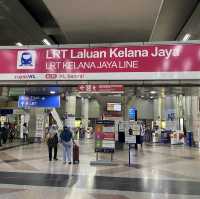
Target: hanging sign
point(132, 62)
point(100, 88)
point(39, 101)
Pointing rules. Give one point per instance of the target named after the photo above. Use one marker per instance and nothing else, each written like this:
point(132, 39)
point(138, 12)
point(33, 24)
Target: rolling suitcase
point(75, 154)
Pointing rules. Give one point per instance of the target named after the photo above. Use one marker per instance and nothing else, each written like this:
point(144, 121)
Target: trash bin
point(189, 138)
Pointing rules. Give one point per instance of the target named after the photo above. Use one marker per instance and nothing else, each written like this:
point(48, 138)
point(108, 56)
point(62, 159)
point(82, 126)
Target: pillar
point(70, 110)
point(188, 113)
point(179, 110)
point(84, 112)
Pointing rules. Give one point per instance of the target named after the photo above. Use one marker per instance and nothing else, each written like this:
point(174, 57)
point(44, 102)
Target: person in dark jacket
point(5, 131)
point(0, 136)
point(66, 140)
point(52, 142)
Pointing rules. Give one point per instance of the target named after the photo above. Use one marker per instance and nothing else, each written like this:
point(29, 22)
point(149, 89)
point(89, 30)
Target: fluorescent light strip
point(153, 92)
point(52, 92)
point(186, 37)
point(19, 44)
point(46, 42)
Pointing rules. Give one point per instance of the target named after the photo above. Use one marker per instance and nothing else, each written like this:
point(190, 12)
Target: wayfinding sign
point(128, 62)
point(100, 88)
point(39, 102)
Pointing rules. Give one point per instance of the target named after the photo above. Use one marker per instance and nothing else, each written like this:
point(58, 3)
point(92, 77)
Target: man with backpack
point(66, 140)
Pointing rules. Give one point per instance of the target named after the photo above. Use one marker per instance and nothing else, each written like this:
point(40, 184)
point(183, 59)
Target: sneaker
point(64, 162)
point(69, 162)
point(55, 159)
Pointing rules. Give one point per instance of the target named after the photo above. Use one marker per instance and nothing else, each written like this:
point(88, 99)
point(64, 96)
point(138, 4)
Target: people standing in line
point(66, 140)
point(25, 132)
point(142, 133)
point(52, 142)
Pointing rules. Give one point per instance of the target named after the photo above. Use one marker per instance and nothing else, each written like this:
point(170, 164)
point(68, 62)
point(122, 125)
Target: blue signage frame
point(39, 102)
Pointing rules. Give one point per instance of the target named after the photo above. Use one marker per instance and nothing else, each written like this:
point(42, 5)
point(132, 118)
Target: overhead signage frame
point(39, 102)
point(131, 62)
point(100, 88)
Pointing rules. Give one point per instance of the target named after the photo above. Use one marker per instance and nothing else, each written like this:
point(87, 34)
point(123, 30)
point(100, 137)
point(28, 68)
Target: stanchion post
point(129, 155)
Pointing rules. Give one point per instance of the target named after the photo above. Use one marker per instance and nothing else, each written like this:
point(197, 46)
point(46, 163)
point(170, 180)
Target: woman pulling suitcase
point(67, 143)
point(66, 140)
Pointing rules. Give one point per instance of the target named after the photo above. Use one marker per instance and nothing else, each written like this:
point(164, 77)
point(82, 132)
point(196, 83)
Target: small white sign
point(108, 129)
point(130, 139)
point(108, 144)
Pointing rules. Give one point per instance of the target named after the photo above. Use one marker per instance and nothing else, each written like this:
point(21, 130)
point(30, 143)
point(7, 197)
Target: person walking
point(5, 132)
point(0, 135)
point(52, 142)
point(12, 133)
point(142, 133)
point(66, 140)
point(25, 132)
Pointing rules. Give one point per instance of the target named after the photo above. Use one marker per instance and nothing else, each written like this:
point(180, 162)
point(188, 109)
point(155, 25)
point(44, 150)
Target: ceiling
point(155, 92)
point(94, 21)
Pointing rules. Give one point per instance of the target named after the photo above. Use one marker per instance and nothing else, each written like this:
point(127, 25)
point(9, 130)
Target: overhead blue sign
point(39, 101)
point(132, 113)
point(6, 111)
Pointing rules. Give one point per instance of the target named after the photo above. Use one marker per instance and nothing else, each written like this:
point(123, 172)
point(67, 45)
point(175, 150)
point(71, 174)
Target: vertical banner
point(171, 119)
point(39, 125)
point(105, 136)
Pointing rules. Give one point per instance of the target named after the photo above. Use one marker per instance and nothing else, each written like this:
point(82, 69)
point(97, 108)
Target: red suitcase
point(75, 154)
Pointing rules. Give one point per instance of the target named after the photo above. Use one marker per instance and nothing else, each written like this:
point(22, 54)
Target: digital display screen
point(114, 107)
point(132, 113)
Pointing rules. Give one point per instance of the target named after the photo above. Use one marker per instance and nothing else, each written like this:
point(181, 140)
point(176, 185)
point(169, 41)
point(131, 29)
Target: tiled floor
point(158, 172)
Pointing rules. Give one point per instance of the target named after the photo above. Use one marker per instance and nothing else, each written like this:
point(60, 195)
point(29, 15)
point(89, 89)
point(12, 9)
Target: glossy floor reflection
point(157, 172)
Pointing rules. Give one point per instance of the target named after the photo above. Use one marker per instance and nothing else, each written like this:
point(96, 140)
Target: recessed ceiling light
point(151, 97)
point(52, 92)
point(46, 42)
point(153, 92)
point(186, 37)
point(19, 44)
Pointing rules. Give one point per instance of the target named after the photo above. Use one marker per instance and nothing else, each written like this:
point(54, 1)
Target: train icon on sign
point(26, 59)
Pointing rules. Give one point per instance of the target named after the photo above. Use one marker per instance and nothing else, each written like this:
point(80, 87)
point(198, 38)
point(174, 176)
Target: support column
point(5, 91)
point(179, 110)
point(160, 111)
point(84, 111)
point(188, 113)
point(70, 109)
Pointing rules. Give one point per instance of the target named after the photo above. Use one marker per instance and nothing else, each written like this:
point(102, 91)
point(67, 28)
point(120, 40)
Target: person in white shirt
point(25, 132)
point(52, 142)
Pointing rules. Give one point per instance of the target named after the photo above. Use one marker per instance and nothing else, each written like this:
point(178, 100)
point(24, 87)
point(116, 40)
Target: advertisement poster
point(105, 136)
point(171, 123)
point(39, 125)
point(132, 130)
